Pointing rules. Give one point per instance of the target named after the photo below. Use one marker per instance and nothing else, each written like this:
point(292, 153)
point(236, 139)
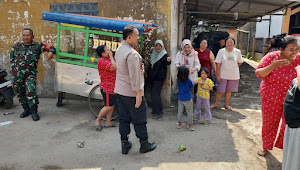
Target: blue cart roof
point(95, 21)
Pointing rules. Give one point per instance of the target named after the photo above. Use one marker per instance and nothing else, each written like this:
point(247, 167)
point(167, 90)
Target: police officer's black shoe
point(26, 110)
point(126, 146)
point(34, 115)
point(146, 146)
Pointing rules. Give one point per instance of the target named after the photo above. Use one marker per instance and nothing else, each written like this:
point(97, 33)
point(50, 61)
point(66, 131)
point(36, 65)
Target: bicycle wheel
point(96, 103)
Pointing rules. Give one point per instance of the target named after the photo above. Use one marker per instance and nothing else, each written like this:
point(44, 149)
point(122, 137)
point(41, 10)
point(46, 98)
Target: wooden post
point(254, 48)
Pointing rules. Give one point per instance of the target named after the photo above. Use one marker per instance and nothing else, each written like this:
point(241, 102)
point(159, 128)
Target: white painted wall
point(262, 28)
point(174, 40)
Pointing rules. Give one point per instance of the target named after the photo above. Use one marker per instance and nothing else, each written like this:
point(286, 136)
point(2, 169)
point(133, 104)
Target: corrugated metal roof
point(233, 12)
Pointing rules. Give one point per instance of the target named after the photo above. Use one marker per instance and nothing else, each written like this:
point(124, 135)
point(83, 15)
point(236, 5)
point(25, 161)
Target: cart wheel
point(60, 97)
point(96, 103)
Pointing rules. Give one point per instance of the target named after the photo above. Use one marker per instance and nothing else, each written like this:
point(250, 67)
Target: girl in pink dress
point(277, 70)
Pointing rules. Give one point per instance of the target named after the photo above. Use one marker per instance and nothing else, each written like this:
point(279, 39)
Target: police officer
point(24, 58)
point(129, 90)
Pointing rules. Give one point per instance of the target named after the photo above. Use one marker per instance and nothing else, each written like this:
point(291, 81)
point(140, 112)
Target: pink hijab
point(187, 42)
point(184, 54)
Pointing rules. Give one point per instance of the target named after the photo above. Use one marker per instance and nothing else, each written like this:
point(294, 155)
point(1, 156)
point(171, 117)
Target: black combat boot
point(34, 115)
point(146, 146)
point(126, 146)
point(26, 110)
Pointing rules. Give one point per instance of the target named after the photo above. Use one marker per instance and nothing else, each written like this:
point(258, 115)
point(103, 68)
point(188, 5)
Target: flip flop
point(113, 125)
point(262, 152)
point(98, 128)
point(179, 127)
point(213, 107)
point(228, 108)
point(191, 129)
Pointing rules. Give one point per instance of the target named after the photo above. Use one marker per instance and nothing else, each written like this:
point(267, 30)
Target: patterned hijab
point(155, 56)
point(187, 42)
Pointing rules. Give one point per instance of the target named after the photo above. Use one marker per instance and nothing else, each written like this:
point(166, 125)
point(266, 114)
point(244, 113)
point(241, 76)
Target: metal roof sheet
point(233, 12)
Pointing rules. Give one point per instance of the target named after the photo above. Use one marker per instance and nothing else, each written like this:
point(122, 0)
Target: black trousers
point(155, 96)
point(129, 114)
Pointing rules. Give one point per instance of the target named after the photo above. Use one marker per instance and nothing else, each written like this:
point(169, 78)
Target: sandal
point(179, 127)
point(195, 119)
point(213, 107)
point(228, 108)
point(206, 122)
point(262, 152)
point(113, 125)
point(98, 128)
point(191, 128)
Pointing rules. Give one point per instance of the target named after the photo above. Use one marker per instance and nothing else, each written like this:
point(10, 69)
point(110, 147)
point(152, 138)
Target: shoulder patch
point(136, 55)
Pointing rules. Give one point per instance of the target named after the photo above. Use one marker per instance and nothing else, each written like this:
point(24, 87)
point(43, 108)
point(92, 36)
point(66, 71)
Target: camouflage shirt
point(25, 57)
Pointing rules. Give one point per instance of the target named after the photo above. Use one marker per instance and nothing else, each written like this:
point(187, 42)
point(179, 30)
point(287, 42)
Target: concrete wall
point(179, 35)
point(18, 14)
point(156, 11)
point(245, 37)
point(234, 35)
point(174, 41)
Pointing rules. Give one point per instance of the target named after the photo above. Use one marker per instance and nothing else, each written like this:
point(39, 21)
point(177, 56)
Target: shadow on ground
point(51, 142)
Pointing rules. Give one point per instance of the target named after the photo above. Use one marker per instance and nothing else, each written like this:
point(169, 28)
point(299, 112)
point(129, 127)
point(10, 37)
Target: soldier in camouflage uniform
point(24, 58)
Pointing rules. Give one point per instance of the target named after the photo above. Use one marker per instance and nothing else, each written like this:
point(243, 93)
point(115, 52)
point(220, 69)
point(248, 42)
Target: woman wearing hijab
point(157, 72)
point(188, 57)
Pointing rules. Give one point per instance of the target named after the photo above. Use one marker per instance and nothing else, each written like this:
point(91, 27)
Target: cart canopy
point(112, 24)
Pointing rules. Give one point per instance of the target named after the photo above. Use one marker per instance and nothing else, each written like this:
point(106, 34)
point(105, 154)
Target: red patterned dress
point(273, 89)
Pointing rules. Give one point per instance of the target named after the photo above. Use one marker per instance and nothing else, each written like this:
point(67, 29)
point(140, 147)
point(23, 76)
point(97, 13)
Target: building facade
point(20, 14)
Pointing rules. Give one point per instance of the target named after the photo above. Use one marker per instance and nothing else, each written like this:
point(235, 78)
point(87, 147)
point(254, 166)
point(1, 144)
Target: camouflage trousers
point(25, 88)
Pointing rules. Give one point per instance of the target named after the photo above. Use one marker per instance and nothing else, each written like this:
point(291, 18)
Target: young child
point(107, 71)
point(185, 97)
point(204, 86)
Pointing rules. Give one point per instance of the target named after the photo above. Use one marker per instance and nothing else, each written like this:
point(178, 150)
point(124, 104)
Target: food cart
point(76, 60)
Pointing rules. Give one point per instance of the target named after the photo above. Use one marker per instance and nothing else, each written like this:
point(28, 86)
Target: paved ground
point(230, 142)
